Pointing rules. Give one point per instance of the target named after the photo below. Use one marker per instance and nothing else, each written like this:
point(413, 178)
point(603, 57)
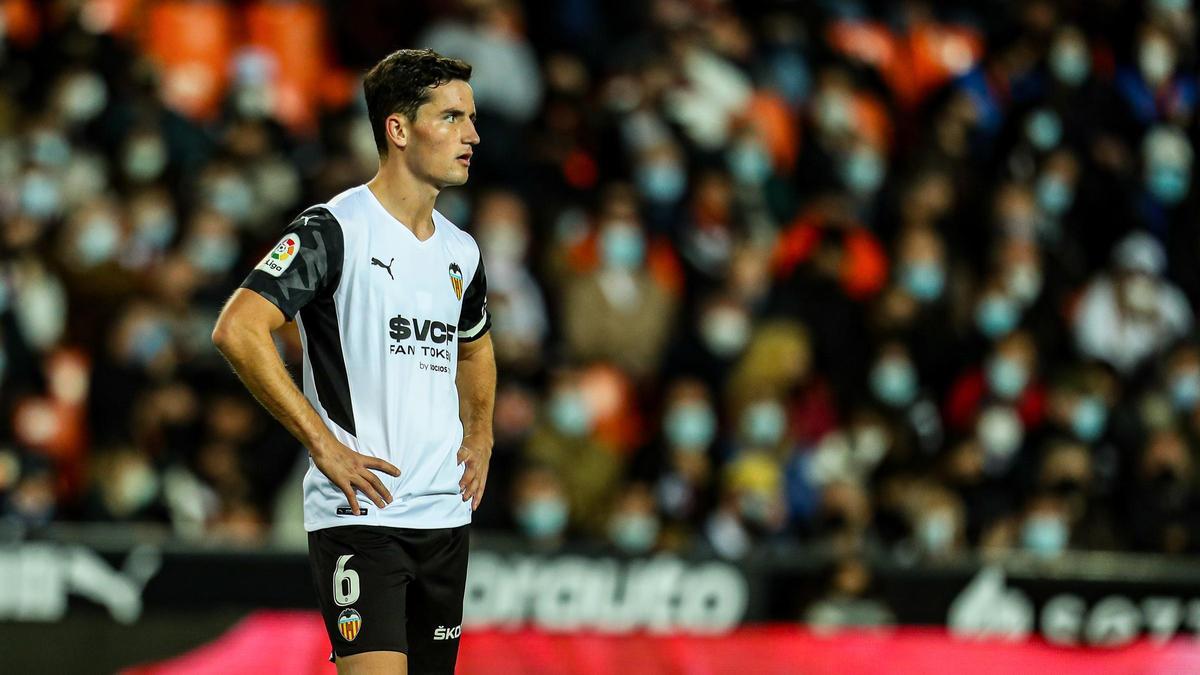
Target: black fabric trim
point(309, 287)
point(327, 361)
point(474, 305)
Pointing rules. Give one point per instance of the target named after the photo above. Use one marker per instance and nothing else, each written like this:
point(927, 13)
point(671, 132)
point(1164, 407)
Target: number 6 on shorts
point(345, 582)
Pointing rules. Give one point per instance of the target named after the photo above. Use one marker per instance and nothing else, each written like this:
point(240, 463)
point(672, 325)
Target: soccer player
point(399, 376)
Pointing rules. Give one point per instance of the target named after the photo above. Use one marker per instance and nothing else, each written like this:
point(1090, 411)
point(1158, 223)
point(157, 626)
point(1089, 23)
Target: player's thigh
point(435, 603)
point(373, 663)
point(361, 578)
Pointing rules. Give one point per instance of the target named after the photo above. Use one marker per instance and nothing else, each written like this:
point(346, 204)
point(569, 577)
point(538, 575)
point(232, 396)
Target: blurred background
point(885, 311)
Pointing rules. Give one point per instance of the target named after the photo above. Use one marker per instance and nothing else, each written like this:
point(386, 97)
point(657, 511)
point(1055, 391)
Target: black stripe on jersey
point(474, 319)
point(327, 361)
point(306, 289)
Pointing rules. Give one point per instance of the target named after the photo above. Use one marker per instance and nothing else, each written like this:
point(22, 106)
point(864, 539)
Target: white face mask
point(505, 241)
point(1001, 433)
point(41, 312)
point(144, 158)
point(725, 331)
point(1156, 60)
point(82, 97)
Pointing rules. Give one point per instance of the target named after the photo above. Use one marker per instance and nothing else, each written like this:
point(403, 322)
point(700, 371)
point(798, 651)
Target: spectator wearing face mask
point(904, 398)
point(1133, 313)
point(937, 521)
point(773, 388)
point(915, 306)
point(711, 342)
point(1181, 378)
point(1044, 529)
point(1080, 404)
point(1009, 376)
point(751, 508)
point(1166, 178)
point(1067, 471)
point(540, 507)
point(565, 441)
point(1151, 87)
point(679, 462)
point(619, 312)
point(521, 325)
point(634, 527)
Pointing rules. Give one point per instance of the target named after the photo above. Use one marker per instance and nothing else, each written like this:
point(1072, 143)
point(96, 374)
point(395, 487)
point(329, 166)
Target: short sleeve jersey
point(381, 314)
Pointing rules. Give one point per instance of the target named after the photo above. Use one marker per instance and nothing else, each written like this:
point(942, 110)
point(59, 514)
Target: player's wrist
point(480, 439)
point(322, 446)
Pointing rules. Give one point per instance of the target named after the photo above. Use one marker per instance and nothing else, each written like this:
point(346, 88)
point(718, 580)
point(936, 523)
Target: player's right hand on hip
point(350, 471)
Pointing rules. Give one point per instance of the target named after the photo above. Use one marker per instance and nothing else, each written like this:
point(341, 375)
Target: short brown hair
point(400, 83)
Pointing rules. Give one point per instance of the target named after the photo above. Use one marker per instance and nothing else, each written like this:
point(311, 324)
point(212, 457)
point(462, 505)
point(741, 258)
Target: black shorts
point(392, 589)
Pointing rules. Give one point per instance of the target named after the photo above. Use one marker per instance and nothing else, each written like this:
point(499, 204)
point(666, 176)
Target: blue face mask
point(936, 532)
point(1006, 378)
point(232, 198)
point(156, 230)
point(996, 316)
point(924, 281)
point(213, 254)
point(1045, 535)
point(40, 196)
point(691, 426)
point(1089, 419)
point(543, 518)
point(50, 149)
point(863, 172)
point(98, 241)
point(1168, 184)
point(749, 163)
point(1044, 130)
point(1054, 195)
point(634, 533)
point(787, 73)
point(661, 182)
point(1185, 390)
point(1070, 64)
point(149, 341)
point(894, 381)
point(763, 424)
point(569, 414)
point(622, 247)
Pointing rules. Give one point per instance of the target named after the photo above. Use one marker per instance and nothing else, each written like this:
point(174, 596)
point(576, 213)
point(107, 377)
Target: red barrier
point(295, 642)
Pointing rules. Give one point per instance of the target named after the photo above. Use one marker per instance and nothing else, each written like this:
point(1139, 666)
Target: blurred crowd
point(904, 276)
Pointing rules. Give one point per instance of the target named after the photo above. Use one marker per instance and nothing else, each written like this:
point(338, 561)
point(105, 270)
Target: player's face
point(444, 135)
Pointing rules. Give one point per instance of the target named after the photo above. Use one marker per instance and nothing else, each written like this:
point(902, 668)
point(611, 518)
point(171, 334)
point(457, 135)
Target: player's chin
point(457, 177)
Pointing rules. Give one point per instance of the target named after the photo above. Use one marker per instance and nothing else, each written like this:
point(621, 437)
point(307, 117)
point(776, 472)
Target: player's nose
point(471, 137)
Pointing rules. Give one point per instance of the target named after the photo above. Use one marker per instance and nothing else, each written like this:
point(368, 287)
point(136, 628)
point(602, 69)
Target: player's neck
point(409, 200)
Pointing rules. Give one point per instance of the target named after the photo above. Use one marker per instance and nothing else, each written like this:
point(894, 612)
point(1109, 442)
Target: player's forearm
point(476, 383)
point(251, 352)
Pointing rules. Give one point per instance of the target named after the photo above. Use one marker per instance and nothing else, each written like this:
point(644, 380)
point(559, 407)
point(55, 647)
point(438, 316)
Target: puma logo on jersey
point(444, 633)
point(388, 267)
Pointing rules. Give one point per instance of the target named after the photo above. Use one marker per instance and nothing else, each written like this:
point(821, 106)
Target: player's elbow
point(228, 333)
point(222, 335)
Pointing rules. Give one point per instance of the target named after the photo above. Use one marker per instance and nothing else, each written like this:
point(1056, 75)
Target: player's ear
point(397, 127)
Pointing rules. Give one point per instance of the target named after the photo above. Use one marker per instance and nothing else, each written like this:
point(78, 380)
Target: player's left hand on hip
point(476, 456)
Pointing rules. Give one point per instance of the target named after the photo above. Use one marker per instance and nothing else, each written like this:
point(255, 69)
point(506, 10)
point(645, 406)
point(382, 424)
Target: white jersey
point(381, 315)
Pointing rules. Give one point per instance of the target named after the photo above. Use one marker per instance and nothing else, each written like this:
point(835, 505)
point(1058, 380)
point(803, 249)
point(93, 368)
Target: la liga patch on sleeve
point(280, 258)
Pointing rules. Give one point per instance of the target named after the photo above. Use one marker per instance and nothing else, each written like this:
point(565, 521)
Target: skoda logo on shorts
point(349, 623)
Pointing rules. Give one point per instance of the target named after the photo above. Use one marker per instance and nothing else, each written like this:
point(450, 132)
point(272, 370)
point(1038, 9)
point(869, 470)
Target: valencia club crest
point(456, 280)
